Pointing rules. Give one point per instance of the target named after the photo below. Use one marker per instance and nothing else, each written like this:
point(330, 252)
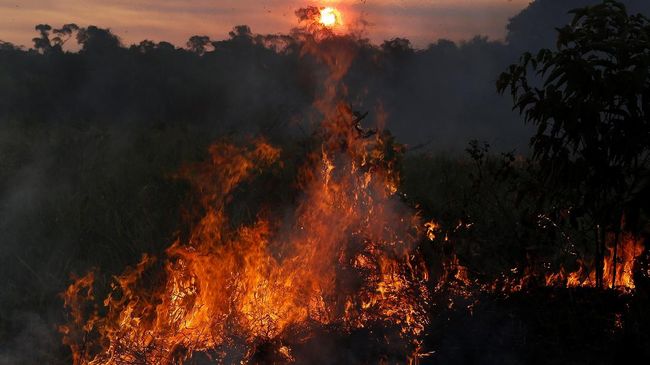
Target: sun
point(330, 17)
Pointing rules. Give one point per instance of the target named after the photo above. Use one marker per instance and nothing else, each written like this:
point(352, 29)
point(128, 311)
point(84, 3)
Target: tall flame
point(344, 256)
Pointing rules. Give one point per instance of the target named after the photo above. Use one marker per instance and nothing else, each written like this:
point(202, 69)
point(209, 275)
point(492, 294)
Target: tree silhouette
point(8, 46)
point(97, 40)
point(241, 32)
point(64, 33)
point(198, 44)
point(590, 101)
point(42, 43)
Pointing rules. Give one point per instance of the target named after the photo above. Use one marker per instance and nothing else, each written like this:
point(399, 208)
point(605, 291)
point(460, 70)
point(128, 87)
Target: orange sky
point(422, 21)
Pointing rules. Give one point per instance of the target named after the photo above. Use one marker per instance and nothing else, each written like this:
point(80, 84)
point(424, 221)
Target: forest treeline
point(442, 94)
point(250, 82)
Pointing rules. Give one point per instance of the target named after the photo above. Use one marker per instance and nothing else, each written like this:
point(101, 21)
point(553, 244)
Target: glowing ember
point(330, 17)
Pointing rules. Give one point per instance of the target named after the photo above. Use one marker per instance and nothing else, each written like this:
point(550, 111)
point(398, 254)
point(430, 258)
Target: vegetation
point(90, 142)
point(592, 145)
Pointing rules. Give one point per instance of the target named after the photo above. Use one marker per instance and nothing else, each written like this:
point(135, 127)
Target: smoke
point(32, 342)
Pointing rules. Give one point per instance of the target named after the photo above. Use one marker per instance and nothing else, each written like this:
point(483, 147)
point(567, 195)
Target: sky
point(421, 21)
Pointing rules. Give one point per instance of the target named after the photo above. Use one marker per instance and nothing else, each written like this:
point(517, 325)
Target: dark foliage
point(592, 116)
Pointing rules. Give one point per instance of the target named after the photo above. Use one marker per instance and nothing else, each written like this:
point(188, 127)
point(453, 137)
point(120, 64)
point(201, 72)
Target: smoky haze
point(100, 130)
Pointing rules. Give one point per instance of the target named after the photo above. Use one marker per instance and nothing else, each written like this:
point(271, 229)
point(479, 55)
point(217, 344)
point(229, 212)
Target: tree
point(165, 46)
point(42, 43)
point(534, 27)
point(145, 46)
point(241, 33)
point(64, 34)
point(8, 46)
point(97, 40)
point(198, 43)
point(398, 49)
point(590, 101)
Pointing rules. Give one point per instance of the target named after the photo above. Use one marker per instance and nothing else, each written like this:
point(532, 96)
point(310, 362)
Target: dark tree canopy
point(590, 102)
point(198, 43)
point(97, 40)
point(531, 28)
point(64, 33)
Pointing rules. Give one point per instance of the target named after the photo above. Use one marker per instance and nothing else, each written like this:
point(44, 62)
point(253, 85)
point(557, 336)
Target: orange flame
point(345, 256)
point(256, 282)
point(618, 267)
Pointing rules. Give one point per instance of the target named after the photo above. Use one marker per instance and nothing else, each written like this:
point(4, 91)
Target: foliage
point(590, 102)
point(477, 202)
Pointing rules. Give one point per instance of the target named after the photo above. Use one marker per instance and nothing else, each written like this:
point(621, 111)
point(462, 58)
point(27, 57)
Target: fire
point(330, 17)
point(345, 259)
point(342, 258)
point(617, 267)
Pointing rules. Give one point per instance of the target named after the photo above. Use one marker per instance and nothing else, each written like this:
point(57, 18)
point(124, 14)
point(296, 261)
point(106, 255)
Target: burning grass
point(342, 262)
point(343, 258)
